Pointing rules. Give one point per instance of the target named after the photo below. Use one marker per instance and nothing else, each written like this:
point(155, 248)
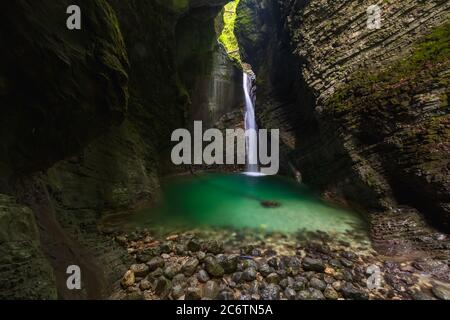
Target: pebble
point(202, 276)
point(140, 270)
point(171, 270)
point(190, 266)
point(162, 287)
point(249, 274)
point(310, 264)
point(145, 285)
point(128, 279)
point(349, 291)
point(270, 292)
point(330, 293)
point(290, 293)
point(193, 245)
point(273, 278)
point(155, 263)
point(211, 290)
point(213, 267)
point(193, 293)
point(317, 284)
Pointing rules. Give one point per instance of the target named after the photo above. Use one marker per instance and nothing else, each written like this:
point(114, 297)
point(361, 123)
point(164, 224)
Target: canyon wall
point(86, 128)
point(363, 112)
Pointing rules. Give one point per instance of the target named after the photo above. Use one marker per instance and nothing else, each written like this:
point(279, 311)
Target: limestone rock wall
point(363, 113)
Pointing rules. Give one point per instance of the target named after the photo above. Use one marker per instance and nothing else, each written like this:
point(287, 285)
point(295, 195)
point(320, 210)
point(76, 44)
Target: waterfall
point(250, 126)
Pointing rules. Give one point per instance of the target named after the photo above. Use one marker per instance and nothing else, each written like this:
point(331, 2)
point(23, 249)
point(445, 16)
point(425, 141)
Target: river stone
point(128, 279)
point(247, 263)
point(249, 274)
point(330, 293)
point(211, 290)
point(273, 278)
point(228, 263)
point(265, 269)
point(310, 264)
point(300, 283)
point(346, 263)
point(273, 262)
point(237, 277)
point(193, 293)
point(179, 279)
point(201, 255)
point(213, 267)
point(140, 270)
point(303, 295)
point(213, 246)
point(193, 245)
point(287, 282)
point(270, 292)
point(162, 287)
point(441, 291)
point(171, 270)
point(349, 291)
point(155, 263)
point(177, 292)
point(317, 284)
point(166, 247)
point(145, 285)
point(225, 295)
point(290, 293)
point(315, 294)
point(180, 249)
point(190, 266)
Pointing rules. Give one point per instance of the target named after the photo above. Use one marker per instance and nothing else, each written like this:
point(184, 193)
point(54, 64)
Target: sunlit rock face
point(364, 112)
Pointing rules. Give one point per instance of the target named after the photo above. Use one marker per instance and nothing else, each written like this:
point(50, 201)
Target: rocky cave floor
point(246, 265)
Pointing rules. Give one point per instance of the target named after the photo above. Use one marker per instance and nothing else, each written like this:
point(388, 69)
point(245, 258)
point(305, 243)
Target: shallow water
point(236, 201)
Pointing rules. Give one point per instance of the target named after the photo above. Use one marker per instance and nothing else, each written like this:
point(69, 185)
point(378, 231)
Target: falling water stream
point(250, 126)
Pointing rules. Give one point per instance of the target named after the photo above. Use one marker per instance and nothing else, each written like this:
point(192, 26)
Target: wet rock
point(273, 278)
point(273, 262)
point(270, 204)
point(330, 293)
point(256, 253)
point(177, 292)
point(303, 295)
point(194, 245)
point(213, 246)
point(310, 264)
point(315, 294)
point(237, 277)
point(225, 295)
point(349, 291)
point(249, 274)
point(290, 294)
point(265, 269)
point(179, 279)
point(145, 285)
point(270, 292)
point(346, 263)
point(211, 290)
point(348, 276)
point(128, 279)
point(202, 276)
point(300, 283)
point(213, 267)
point(140, 270)
point(155, 263)
point(180, 249)
point(135, 296)
point(171, 270)
point(335, 263)
point(190, 266)
point(228, 263)
point(317, 284)
point(201, 255)
point(166, 247)
point(287, 282)
point(162, 287)
point(247, 263)
point(294, 262)
point(441, 291)
point(122, 240)
point(193, 293)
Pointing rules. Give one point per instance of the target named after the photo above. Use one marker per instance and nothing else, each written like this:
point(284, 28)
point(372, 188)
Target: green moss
point(227, 37)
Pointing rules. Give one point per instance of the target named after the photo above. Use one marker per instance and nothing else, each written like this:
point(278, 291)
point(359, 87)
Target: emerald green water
point(235, 200)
